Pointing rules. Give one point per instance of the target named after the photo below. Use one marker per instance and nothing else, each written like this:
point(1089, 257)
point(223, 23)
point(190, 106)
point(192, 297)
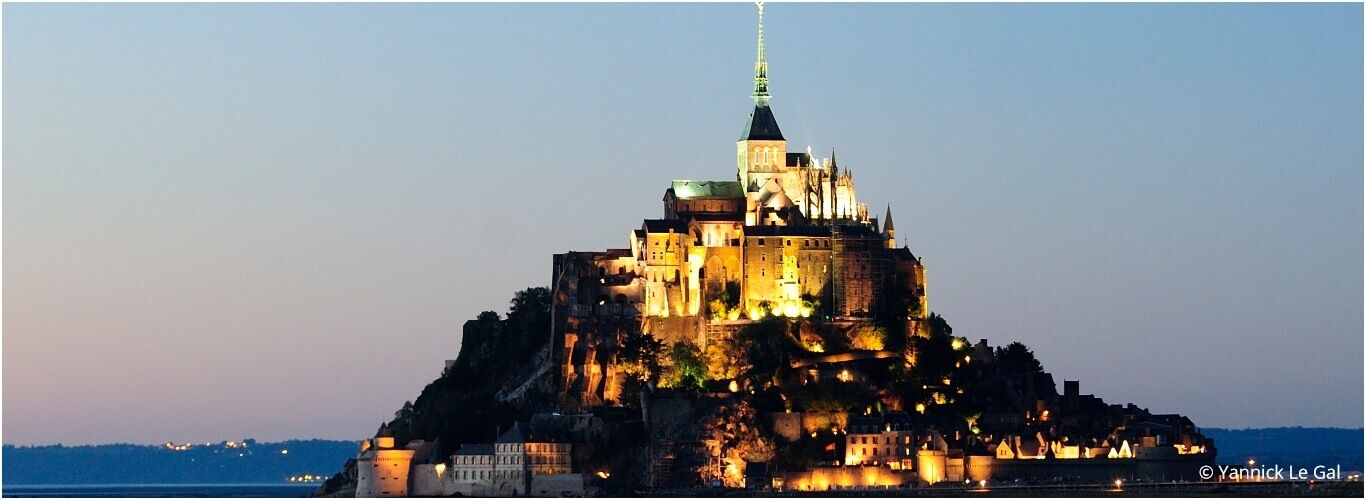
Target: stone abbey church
point(786, 236)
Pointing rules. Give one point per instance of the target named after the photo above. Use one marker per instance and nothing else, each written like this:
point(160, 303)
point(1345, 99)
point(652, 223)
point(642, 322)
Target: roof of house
point(475, 449)
point(664, 225)
point(518, 433)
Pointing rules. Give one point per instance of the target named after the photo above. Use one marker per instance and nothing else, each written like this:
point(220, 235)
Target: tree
point(686, 367)
point(939, 326)
point(639, 353)
point(1019, 355)
point(867, 337)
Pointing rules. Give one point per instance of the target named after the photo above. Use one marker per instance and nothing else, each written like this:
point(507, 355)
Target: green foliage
point(638, 354)
point(730, 297)
point(686, 367)
point(727, 301)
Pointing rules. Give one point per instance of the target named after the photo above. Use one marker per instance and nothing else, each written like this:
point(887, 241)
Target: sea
point(160, 490)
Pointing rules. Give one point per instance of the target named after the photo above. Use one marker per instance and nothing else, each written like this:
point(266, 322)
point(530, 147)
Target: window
point(761, 242)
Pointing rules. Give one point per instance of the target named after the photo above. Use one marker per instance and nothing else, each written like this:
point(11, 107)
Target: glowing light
point(957, 344)
point(440, 469)
point(920, 407)
point(284, 452)
point(844, 376)
point(1119, 483)
point(604, 474)
point(791, 310)
point(734, 387)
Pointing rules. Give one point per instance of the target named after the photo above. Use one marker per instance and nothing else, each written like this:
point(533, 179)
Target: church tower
point(761, 152)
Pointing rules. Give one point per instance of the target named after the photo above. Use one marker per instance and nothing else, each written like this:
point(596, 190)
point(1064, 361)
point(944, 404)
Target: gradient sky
point(270, 221)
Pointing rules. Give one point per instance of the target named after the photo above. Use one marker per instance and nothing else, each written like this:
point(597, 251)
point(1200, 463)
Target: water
point(160, 490)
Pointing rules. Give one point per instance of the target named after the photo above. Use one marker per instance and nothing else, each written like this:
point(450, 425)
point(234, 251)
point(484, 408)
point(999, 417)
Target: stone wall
point(426, 481)
point(557, 485)
point(847, 478)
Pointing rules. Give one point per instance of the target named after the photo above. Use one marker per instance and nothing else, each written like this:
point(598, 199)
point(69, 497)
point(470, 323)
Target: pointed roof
point(384, 431)
point(761, 125)
point(518, 433)
point(888, 225)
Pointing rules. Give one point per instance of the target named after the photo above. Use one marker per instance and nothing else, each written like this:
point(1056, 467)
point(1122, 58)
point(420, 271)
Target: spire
point(760, 65)
point(887, 227)
point(762, 126)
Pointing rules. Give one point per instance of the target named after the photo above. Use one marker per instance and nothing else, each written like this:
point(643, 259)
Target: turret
point(888, 230)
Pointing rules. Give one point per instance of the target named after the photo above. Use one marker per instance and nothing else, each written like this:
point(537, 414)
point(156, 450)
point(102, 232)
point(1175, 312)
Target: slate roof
point(761, 126)
point(475, 449)
point(664, 225)
point(518, 433)
point(686, 189)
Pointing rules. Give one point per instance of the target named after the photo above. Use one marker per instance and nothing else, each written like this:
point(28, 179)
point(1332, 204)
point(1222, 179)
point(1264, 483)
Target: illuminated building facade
point(786, 237)
point(509, 466)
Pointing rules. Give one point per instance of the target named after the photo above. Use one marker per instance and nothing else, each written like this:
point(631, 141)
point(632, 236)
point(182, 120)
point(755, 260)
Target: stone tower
point(382, 469)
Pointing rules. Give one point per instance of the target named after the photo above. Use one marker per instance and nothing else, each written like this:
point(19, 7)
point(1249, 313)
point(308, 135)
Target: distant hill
point(246, 462)
point(1297, 446)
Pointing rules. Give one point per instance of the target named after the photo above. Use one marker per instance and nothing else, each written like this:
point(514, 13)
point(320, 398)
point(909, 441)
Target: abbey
point(764, 332)
point(787, 237)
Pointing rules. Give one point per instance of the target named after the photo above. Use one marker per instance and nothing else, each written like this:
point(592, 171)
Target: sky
point(270, 221)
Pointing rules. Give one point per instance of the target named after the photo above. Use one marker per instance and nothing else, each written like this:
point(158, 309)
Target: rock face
point(501, 375)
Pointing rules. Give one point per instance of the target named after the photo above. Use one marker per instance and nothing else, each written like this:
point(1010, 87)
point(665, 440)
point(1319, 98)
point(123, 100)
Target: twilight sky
point(270, 221)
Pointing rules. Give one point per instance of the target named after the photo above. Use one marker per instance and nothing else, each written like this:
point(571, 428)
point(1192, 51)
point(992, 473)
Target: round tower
point(381, 469)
